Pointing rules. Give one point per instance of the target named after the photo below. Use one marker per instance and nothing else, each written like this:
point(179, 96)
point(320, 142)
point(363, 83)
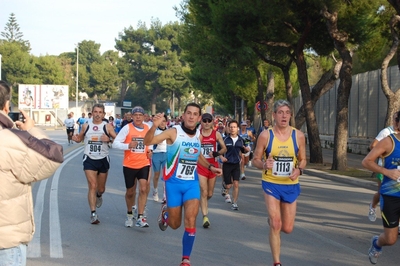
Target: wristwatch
point(301, 170)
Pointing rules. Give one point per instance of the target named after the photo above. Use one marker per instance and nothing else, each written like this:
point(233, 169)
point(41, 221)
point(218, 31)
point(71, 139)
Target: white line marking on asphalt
point(34, 250)
point(55, 229)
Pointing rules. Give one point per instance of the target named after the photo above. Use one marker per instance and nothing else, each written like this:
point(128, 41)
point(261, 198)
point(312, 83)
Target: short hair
point(234, 122)
point(194, 105)
point(4, 94)
point(99, 105)
point(280, 103)
point(397, 116)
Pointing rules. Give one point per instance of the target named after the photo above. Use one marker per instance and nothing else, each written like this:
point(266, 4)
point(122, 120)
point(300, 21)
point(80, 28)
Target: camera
point(16, 116)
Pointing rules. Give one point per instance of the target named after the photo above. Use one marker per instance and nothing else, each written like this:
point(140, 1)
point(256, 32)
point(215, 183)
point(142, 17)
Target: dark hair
point(397, 116)
point(165, 116)
point(233, 121)
point(4, 94)
point(194, 105)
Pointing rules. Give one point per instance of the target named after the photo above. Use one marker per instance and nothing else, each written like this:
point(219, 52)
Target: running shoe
point(371, 213)
point(206, 222)
point(99, 201)
point(243, 177)
point(94, 219)
point(129, 220)
point(162, 222)
point(141, 222)
point(185, 262)
point(234, 207)
point(164, 201)
point(228, 198)
point(223, 192)
point(155, 196)
point(277, 264)
point(374, 253)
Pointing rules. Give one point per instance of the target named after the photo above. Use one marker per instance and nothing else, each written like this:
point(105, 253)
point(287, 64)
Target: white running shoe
point(374, 253)
point(141, 222)
point(371, 213)
point(94, 219)
point(228, 198)
point(99, 201)
point(129, 220)
point(234, 207)
point(223, 192)
point(155, 196)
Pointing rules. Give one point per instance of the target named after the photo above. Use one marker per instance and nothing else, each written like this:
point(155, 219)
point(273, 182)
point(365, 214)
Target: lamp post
point(77, 77)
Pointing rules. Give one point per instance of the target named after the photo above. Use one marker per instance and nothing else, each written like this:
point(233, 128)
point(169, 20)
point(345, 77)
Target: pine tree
point(12, 32)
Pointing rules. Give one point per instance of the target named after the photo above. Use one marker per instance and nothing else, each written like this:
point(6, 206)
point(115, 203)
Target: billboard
point(42, 96)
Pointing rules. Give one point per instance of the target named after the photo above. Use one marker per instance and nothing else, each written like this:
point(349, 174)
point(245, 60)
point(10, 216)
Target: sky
point(55, 26)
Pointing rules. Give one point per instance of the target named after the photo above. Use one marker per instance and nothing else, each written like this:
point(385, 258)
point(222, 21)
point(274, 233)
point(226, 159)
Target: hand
point(157, 119)
point(295, 174)
point(76, 138)
point(133, 144)
point(217, 171)
point(27, 124)
point(223, 159)
point(149, 154)
point(269, 163)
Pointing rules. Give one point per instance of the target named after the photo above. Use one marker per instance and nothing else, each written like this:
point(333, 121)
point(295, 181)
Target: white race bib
point(283, 166)
point(95, 144)
point(206, 149)
point(140, 147)
point(186, 169)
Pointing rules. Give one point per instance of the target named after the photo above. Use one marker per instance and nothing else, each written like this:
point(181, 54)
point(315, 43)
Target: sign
point(258, 106)
point(42, 96)
point(127, 104)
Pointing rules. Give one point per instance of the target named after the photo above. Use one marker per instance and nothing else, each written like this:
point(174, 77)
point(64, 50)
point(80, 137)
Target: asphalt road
point(331, 227)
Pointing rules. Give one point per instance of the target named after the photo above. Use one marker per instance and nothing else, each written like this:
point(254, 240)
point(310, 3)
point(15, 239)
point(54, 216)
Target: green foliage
point(12, 32)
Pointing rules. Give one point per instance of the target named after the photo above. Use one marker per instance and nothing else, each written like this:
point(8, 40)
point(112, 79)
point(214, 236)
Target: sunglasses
point(207, 121)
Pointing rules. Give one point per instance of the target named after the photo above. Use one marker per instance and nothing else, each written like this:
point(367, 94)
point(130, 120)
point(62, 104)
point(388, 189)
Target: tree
point(12, 32)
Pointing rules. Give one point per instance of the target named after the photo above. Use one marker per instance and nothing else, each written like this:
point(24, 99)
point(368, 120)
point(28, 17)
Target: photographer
point(27, 156)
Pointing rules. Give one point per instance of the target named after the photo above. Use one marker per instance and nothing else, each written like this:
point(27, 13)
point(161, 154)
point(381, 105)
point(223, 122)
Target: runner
point(389, 150)
point(136, 165)
point(231, 160)
point(96, 135)
point(209, 150)
point(248, 138)
point(285, 150)
point(180, 174)
point(69, 123)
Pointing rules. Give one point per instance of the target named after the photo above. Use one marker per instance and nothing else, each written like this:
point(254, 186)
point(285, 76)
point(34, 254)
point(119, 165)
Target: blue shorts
point(284, 193)
point(178, 193)
point(158, 161)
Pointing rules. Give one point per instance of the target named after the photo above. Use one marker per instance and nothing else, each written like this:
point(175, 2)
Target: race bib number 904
point(283, 166)
point(186, 169)
point(95, 145)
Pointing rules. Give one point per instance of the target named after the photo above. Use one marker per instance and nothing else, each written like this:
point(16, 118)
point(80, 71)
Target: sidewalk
point(353, 161)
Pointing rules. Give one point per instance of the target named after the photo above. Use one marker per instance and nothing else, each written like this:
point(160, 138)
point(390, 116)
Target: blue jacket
point(233, 150)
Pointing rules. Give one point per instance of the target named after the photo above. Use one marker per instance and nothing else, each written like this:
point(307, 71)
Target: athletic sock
point(187, 242)
point(376, 245)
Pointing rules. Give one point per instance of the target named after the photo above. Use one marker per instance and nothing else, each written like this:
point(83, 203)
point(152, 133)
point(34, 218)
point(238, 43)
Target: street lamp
point(77, 76)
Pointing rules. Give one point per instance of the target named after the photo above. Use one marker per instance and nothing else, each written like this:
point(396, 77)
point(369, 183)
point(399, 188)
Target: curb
point(344, 179)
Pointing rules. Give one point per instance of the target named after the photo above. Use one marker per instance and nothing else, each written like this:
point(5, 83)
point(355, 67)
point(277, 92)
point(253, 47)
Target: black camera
point(16, 116)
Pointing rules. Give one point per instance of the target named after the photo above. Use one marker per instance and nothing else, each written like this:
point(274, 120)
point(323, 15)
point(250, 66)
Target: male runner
point(389, 150)
point(136, 165)
point(248, 138)
point(285, 150)
point(69, 123)
point(96, 162)
point(235, 147)
point(210, 138)
point(180, 174)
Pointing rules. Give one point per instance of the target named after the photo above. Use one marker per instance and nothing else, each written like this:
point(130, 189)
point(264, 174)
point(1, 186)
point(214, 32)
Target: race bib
point(95, 144)
point(206, 149)
point(283, 166)
point(140, 147)
point(186, 169)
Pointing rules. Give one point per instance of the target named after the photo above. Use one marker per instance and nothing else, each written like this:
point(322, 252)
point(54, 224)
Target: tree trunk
point(156, 92)
point(326, 83)
point(260, 94)
point(270, 97)
point(314, 141)
point(124, 90)
point(392, 97)
point(340, 39)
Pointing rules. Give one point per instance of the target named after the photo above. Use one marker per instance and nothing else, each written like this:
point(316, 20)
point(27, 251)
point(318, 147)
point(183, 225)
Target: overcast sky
point(55, 26)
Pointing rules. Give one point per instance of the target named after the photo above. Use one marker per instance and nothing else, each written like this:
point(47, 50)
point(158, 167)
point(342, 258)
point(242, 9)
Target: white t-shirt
point(69, 122)
point(384, 133)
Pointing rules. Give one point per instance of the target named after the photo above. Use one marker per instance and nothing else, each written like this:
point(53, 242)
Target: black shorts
point(390, 208)
point(231, 172)
point(131, 175)
point(70, 130)
point(101, 165)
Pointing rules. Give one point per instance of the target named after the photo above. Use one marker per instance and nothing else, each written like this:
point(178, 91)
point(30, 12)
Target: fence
point(367, 109)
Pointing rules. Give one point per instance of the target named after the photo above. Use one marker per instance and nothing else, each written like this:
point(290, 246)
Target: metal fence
point(367, 105)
